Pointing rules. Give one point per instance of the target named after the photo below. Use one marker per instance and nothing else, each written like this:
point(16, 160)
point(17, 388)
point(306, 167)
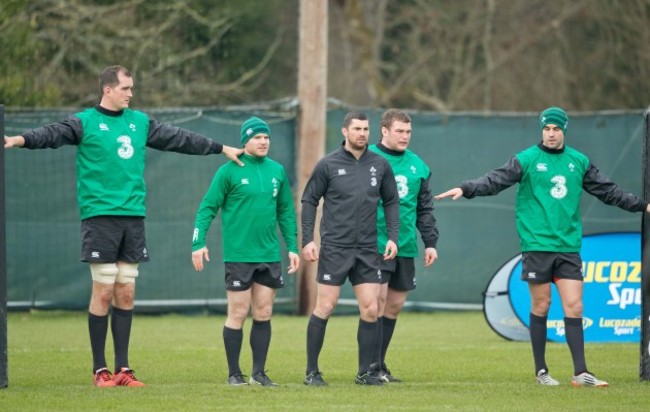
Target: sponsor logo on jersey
point(560, 190)
point(132, 127)
point(413, 169)
point(572, 167)
point(125, 151)
point(402, 186)
point(373, 176)
point(103, 127)
point(274, 181)
point(342, 172)
point(244, 181)
point(542, 167)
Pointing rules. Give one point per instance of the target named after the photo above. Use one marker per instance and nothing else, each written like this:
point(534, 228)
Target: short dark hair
point(108, 76)
point(394, 115)
point(351, 116)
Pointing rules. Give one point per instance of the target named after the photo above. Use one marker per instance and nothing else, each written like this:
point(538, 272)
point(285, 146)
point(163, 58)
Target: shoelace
point(315, 375)
point(589, 378)
point(545, 378)
point(263, 377)
point(130, 377)
point(103, 376)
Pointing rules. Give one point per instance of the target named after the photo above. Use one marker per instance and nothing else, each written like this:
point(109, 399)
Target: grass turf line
point(448, 360)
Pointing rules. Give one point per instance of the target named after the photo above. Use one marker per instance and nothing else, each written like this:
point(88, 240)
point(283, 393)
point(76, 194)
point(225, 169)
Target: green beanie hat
point(251, 127)
point(554, 115)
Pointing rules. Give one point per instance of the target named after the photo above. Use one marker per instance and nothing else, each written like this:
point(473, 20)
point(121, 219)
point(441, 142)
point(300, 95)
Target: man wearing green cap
point(551, 178)
point(254, 200)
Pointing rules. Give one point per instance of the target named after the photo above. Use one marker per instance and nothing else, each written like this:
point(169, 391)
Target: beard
point(357, 145)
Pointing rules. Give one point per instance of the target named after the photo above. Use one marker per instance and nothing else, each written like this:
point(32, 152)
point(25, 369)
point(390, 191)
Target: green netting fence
point(476, 237)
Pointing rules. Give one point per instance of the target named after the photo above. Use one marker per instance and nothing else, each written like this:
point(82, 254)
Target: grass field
point(449, 361)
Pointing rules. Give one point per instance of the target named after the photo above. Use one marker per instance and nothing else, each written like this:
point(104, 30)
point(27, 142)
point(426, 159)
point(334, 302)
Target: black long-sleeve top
point(351, 190)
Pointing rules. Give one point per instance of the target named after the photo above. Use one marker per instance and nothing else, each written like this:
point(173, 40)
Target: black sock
point(576, 340)
point(376, 360)
point(315, 338)
point(98, 328)
point(121, 329)
point(538, 341)
point(260, 340)
point(366, 339)
point(388, 327)
point(232, 340)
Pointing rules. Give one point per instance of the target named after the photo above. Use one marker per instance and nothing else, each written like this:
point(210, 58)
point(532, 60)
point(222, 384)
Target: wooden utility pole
point(312, 114)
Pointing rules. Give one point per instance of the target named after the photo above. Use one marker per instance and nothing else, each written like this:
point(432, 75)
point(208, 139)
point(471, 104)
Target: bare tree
point(181, 47)
point(491, 54)
point(443, 55)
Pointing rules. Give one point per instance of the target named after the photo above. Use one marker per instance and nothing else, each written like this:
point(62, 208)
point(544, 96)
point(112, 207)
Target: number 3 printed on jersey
point(126, 150)
point(559, 191)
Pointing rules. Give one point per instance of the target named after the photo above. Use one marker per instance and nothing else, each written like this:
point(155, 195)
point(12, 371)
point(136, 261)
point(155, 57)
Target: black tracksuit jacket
point(351, 190)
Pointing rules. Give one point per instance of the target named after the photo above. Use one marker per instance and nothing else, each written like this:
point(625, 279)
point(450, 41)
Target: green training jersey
point(110, 163)
point(254, 200)
point(548, 200)
point(410, 173)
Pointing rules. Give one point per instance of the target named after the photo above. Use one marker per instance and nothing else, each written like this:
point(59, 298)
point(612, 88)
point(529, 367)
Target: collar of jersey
point(252, 159)
point(391, 152)
point(108, 112)
point(549, 150)
point(349, 153)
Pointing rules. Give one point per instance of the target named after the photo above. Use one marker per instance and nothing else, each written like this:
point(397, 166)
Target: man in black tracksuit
point(352, 180)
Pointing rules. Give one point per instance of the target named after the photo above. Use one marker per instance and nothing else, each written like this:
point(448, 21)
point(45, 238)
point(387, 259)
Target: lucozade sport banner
point(612, 293)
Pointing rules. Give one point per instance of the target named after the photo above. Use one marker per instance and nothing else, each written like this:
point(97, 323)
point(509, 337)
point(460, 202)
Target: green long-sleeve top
point(254, 200)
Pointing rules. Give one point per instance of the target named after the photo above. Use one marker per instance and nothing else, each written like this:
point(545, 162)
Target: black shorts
point(399, 273)
point(546, 267)
point(336, 264)
point(241, 275)
point(109, 239)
